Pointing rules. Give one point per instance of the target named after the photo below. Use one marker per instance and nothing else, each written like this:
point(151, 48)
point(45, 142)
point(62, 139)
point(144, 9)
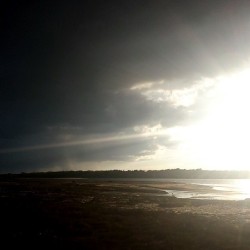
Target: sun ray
point(221, 140)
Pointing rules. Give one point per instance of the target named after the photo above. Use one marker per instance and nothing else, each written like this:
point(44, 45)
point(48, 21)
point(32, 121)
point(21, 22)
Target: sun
point(222, 139)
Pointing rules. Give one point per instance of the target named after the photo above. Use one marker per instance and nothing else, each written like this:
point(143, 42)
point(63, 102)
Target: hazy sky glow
point(152, 85)
point(220, 140)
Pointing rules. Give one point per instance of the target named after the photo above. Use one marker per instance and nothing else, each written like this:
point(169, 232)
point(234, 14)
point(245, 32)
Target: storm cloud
point(69, 71)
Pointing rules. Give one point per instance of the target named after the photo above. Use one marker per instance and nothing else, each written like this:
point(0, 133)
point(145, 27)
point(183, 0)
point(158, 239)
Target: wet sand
point(92, 214)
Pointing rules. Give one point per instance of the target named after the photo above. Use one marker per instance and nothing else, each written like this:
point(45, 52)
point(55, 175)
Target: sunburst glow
point(221, 139)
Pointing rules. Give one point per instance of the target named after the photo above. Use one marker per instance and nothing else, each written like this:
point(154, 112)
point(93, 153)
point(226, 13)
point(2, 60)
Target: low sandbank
point(91, 214)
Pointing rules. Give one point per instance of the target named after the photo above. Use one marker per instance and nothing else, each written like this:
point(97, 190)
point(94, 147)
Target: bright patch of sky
point(220, 140)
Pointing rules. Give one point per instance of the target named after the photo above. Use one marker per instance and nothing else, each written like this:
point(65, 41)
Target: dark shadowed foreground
point(86, 214)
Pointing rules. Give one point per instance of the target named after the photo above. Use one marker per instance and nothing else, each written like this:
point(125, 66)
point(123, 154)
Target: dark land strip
point(89, 214)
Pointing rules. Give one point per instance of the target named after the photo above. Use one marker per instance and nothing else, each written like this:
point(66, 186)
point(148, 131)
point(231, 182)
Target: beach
point(99, 214)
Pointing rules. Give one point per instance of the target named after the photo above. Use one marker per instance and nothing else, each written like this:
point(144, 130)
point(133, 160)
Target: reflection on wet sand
point(91, 214)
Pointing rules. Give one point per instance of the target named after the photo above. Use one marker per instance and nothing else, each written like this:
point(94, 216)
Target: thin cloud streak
point(107, 139)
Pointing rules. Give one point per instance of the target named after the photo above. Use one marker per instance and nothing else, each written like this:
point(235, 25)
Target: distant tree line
point(167, 173)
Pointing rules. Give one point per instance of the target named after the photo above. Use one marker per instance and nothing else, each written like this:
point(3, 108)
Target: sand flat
point(90, 214)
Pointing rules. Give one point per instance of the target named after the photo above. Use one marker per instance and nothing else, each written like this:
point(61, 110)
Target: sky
point(98, 85)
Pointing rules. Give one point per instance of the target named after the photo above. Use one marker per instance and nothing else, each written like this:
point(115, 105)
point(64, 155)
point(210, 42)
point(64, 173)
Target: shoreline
point(117, 215)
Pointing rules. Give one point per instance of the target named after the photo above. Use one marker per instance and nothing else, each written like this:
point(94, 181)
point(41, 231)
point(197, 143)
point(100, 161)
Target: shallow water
point(221, 189)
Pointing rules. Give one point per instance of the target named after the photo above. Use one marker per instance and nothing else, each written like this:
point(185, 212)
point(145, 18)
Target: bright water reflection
point(220, 189)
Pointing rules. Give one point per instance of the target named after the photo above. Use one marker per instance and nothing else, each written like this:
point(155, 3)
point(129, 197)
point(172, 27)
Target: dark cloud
point(117, 150)
point(66, 68)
